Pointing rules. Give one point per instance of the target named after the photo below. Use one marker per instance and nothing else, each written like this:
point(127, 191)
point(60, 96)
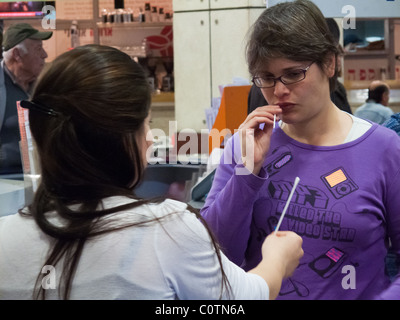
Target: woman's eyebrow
point(267, 73)
point(293, 68)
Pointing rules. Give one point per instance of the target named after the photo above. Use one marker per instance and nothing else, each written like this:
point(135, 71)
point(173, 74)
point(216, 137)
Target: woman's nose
point(280, 89)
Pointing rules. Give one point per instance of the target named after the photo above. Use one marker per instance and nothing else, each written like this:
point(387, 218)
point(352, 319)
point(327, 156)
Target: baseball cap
point(18, 32)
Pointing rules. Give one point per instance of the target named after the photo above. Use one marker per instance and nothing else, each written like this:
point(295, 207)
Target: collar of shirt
point(13, 79)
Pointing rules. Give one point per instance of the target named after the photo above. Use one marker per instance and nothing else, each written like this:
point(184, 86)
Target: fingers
point(288, 249)
point(287, 233)
point(270, 109)
point(262, 115)
point(294, 238)
point(254, 139)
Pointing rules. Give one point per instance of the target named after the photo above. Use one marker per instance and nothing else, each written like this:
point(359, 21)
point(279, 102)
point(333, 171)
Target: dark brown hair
point(293, 30)
point(88, 149)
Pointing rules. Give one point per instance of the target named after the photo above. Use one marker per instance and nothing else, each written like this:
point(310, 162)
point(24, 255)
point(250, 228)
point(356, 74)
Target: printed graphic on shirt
point(280, 160)
point(326, 264)
point(339, 183)
point(315, 212)
point(293, 286)
point(323, 265)
point(308, 213)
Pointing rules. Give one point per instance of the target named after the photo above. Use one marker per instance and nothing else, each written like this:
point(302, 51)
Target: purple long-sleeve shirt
point(346, 208)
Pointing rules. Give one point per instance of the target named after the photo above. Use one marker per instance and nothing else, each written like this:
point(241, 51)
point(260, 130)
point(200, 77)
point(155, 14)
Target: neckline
point(278, 130)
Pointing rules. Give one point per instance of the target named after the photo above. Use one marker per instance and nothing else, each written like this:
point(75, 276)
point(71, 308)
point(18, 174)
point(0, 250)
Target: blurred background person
point(393, 123)
point(1, 41)
point(23, 60)
point(376, 107)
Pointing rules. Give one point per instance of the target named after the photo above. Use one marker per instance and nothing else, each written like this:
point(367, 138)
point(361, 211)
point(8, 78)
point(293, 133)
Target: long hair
point(101, 98)
point(88, 148)
point(293, 30)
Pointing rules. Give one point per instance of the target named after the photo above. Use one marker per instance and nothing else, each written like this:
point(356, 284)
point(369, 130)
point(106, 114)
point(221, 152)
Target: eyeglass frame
point(280, 78)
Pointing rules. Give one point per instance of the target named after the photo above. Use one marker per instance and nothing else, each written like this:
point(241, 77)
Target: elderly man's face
point(33, 62)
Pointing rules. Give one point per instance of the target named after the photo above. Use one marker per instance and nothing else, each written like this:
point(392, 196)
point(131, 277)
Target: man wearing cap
point(23, 60)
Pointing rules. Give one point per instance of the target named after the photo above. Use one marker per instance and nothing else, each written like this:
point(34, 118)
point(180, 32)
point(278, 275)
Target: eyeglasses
point(290, 77)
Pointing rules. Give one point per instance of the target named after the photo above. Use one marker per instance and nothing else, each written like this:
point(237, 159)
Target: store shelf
point(137, 25)
point(366, 54)
point(355, 85)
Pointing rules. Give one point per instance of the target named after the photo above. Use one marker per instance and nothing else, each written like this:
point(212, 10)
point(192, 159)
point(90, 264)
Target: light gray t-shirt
point(170, 259)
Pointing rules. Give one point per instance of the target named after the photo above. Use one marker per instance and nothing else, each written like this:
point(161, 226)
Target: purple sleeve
point(393, 229)
point(229, 204)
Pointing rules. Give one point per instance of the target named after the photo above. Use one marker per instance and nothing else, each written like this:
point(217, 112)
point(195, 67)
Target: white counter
point(14, 195)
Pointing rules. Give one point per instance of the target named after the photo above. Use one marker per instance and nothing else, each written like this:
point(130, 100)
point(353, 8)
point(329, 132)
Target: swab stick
point(296, 182)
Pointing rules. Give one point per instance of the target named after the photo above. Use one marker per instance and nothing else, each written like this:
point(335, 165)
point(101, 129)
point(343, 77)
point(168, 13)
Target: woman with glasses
point(346, 206)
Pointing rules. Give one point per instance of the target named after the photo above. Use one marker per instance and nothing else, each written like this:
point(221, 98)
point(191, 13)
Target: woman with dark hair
point(338, 92)
point(85, 235)
point(346, 206)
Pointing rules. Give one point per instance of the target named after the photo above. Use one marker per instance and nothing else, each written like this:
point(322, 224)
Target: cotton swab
point(273, 127)
point(296, 182)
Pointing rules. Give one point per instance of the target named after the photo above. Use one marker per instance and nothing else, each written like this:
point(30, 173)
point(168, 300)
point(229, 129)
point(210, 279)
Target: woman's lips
point(285, 106)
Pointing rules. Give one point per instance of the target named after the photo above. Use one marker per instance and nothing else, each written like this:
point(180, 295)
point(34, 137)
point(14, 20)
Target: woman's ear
point(331, 65)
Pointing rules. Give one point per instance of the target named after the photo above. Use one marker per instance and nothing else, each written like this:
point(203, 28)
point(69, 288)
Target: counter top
point(163, 99)
point(354, 85)
point(12, 196)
